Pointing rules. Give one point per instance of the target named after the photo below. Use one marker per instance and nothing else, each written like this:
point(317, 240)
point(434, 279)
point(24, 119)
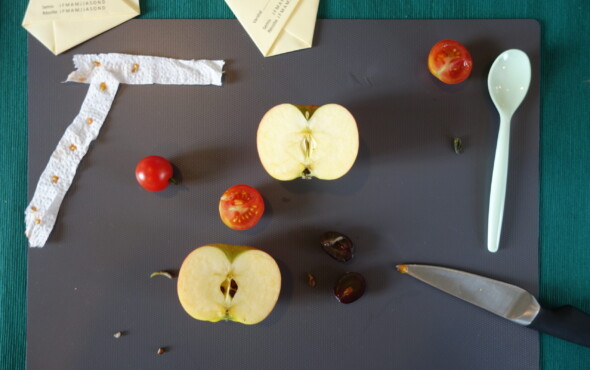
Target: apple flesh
point(228, 282)
point(307, 141)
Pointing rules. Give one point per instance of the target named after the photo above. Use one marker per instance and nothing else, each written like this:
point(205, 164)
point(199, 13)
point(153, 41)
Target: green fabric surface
point(565, 146)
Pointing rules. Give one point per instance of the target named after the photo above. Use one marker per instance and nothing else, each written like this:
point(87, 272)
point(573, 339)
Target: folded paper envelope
point(63, 24)
point(277, 26)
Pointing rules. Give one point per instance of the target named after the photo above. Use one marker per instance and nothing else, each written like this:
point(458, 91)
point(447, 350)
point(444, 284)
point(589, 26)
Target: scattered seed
point(96, 63)
point(34, 209)
point(161, 351)
point(54, 179)
point(457, 145)
point(103, 86)
point(73, 147)
point(89, 120)
point(81, 79)
point(161, 273)
point(310, 280)
point(37, 221)
point(135, 68)
point(117, 335)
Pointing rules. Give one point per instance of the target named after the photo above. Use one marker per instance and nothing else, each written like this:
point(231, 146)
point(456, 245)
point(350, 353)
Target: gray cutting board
point(408, 198)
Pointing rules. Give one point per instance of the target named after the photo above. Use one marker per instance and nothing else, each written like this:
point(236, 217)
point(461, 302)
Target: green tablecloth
point(565, 146)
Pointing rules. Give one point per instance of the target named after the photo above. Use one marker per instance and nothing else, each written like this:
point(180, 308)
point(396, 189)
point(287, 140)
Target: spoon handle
point(498, 187)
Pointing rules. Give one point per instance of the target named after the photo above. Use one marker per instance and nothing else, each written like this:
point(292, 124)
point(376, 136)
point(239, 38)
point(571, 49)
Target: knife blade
point(508, 301)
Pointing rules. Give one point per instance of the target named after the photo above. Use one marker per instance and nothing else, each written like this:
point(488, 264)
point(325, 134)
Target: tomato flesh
point(450, 62)
point(241, 207)
point(154, 173)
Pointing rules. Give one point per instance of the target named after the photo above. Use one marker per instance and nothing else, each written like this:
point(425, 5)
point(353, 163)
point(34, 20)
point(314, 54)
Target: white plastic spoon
point(508, 83)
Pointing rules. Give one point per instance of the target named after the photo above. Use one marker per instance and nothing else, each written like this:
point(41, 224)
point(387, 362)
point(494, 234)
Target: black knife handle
point(565, 322)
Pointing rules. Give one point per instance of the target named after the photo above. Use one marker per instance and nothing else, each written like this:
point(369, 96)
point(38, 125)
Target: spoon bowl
point(509, 80)
point(508, 84)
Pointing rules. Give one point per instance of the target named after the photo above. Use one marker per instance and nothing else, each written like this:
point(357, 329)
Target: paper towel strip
point(104, 73)
point(144, 70)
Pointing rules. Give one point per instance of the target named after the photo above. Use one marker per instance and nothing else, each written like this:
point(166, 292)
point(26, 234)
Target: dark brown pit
point(350, 287)
point(337, 245)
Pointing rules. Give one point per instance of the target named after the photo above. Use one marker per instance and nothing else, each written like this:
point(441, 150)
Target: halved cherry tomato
point(241, 207)
point(154, 173)
point(450, 62)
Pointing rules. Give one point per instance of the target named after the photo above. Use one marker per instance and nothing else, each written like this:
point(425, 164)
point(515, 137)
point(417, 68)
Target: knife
point(505, 300)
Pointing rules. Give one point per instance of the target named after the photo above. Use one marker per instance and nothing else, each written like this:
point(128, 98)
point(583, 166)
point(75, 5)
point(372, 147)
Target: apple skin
point(204, 284)
point(232, 251)
point(307, 110)
point(322, 141)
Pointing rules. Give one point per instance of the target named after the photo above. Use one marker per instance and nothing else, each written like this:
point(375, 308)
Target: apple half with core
point(229, 282)
point(307, 141)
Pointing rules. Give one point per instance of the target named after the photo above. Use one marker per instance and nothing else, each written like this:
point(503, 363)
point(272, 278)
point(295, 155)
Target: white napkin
point(104, 73)
point(277, 26)
point(62, 24)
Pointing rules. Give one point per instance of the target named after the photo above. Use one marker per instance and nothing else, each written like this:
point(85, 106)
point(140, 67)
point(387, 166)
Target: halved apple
point(307, 141)
point(229, 282)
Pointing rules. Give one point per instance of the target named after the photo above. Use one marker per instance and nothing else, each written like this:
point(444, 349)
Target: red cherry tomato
point(241, 207)
point(450, 62)
point(154, 173)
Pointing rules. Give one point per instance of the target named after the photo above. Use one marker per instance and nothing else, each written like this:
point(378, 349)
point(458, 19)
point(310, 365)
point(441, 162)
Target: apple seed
point(310, 280)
